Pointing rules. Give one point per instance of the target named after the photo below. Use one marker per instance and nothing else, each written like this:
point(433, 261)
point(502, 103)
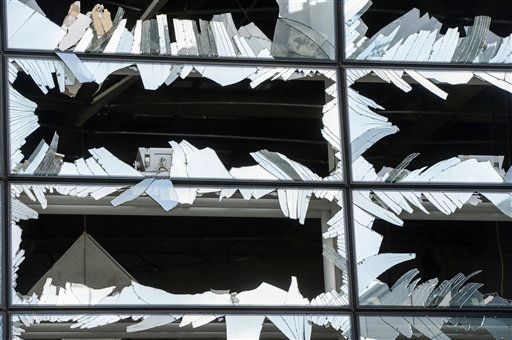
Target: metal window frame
point(341, 64)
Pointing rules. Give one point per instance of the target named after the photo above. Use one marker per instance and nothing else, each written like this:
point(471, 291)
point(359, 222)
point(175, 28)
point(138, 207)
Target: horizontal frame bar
point(225, 61)
point(378, 311)
point(262, 62)
point(205, 182)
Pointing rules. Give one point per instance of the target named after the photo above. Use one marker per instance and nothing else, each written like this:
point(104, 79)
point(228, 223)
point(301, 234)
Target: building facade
point(281, 169)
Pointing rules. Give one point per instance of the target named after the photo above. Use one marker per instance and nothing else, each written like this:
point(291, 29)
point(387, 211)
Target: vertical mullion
point(341, 28)
point(338, 34)
point(3, 27)
point(4, 328)
point(4, 78)
point(356, 326)
point(4, 142)
point(4, 184)
point(6, 251)
point(3, 90)
point(347, 170)
point(351, 258)
point(347, 175)
point(7, 325)
point(4, 193)
point(344, 125)
point(5, 263)
point(4, 244)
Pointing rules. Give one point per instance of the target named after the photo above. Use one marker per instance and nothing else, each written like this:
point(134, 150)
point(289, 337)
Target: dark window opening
point(183, 255)
point(475, 119)
point(445, 248)
point(234, 120)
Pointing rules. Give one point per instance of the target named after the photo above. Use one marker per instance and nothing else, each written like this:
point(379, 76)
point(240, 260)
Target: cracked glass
point(175, 326)
point(75, 117)
point(430, 31)
point(233, 29)
point(433, 248)
point(105, 245)
point(435, 126)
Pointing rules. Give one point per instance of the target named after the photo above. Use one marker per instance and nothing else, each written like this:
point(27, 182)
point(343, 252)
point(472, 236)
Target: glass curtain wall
point(256, 169)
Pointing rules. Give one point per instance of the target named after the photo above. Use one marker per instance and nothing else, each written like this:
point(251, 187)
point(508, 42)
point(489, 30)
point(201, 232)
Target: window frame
point(347, 185)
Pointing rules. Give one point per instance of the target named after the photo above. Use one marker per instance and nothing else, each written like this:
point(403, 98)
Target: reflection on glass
point(424, 31)
point(429, 126)
point(300, 33)
point(432, 248)
point(173, 29)
point(162, 244)
point(435, 327)
point(173, 120)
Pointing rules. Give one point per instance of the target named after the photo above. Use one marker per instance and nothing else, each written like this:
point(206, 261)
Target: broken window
point(433, 248)
point(186, 159)
point(424, 125)
point(435, 327)
point(84, 245)
point(177, 326)
point(204, 121)
point(240, 28)
point(435, 31)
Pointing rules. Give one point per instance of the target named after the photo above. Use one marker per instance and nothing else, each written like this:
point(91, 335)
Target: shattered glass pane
point(433, 248)
point(435, 327)
point(429, 125)
point(428, 31)
point(173, 326)
point(159, 243)
point(141, 119)
point(231, 28)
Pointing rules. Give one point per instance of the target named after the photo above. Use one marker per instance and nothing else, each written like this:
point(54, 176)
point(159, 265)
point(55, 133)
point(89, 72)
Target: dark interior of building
point(475, 119)
point(446, 248)
point(185, 255)
point(234, 120)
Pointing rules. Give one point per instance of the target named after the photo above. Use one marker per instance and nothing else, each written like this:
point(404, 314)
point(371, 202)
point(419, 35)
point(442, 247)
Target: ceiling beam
point(212, 207)
point(102, 99)
point(153, 8)
point(115, 90)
